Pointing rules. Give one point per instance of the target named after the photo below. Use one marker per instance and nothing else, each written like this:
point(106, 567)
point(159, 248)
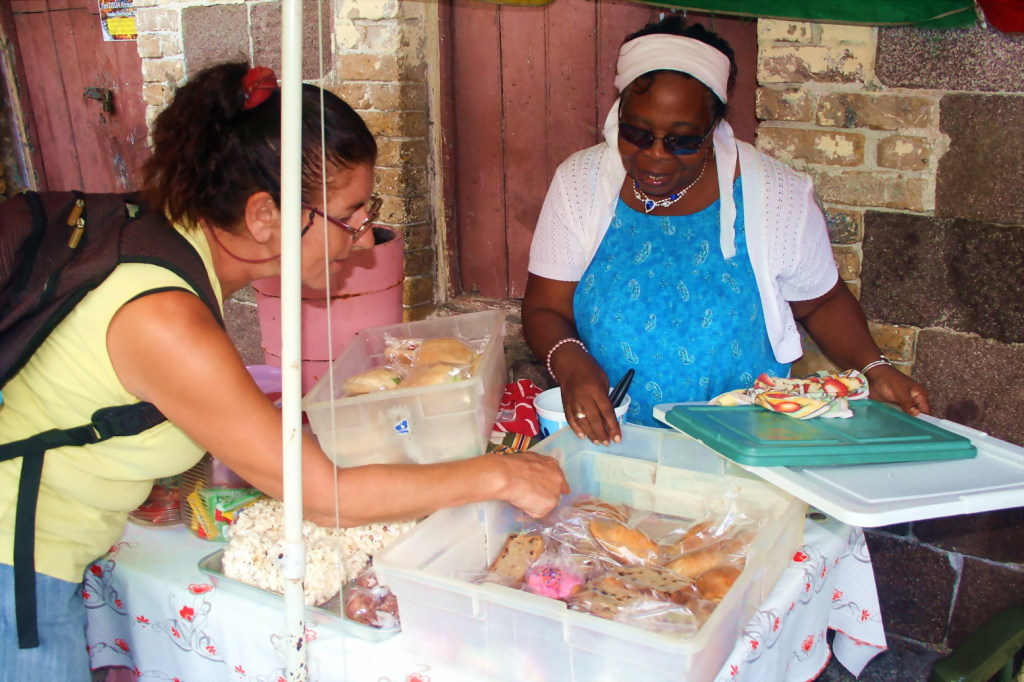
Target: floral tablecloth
point(152, 610)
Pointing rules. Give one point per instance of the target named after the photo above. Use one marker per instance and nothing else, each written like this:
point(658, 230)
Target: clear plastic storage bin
point(501, 633)
point(426, 424)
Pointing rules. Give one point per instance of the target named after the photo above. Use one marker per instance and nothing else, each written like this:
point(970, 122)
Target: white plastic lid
point(874, 495)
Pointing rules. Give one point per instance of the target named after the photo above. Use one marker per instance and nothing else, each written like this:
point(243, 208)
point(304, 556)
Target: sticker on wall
point(117, 17)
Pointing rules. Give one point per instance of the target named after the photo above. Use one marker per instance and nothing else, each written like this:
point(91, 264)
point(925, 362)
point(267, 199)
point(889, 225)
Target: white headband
point(658, 52)
point(673, 53)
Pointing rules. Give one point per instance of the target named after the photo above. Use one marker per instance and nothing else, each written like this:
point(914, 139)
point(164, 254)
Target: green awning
point(923, 13)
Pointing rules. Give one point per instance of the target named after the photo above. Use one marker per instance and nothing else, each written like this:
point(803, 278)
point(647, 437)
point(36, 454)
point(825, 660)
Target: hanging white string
point(328, 286)
point(327, 258)
point(293, 566)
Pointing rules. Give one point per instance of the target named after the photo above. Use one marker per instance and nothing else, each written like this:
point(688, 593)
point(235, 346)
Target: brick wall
point(382, 73)
point(822, 112)
point(373, 57)
point(914, 140)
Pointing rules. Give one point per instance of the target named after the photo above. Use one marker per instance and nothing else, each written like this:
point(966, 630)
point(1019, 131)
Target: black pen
point(619, 392)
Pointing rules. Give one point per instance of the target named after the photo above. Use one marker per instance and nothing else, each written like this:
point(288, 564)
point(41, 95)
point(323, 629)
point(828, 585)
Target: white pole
point(294, 559)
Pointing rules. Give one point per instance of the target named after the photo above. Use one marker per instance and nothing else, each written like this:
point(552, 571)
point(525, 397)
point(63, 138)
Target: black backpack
point(56, 247)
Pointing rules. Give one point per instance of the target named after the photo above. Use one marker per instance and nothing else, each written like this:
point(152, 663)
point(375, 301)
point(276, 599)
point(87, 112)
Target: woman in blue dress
point(677, 251)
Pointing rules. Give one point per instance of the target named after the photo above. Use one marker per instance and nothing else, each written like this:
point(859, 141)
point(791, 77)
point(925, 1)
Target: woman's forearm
point(393, 492)
point(398, 491)
point(837, 324)
point(547, 314)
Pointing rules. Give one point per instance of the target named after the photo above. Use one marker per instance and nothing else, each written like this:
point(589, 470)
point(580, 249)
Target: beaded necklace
point(650, 204)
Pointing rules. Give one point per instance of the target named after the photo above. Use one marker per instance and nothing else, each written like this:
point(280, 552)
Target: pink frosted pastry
point(548, 580)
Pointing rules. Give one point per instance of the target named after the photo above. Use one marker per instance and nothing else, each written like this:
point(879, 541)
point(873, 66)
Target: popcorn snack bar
point(334, 555)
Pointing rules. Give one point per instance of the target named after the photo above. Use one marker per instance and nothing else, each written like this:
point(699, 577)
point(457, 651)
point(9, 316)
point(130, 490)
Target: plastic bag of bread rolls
point(406, 353)
point(382, 378)
point(718, 539)
point(652, 571)
point(659, 615)
point(569, 522)
point(433, 375)
point(414, 363)
point(447, 349)
point(398, 352)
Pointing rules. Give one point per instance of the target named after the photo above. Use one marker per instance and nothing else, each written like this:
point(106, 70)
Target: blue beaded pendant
point(649, 204)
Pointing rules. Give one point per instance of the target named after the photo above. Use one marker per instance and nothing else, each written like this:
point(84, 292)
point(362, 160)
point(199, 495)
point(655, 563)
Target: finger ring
point(581, 415)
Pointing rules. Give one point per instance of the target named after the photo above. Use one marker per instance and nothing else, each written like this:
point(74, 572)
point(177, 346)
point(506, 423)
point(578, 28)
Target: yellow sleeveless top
point(87, 492)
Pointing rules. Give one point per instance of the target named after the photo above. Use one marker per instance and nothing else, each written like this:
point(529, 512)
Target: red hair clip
point(257, 85)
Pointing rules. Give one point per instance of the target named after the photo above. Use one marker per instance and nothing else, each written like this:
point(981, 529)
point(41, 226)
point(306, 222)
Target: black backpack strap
point(124, 420)
point(25, 551)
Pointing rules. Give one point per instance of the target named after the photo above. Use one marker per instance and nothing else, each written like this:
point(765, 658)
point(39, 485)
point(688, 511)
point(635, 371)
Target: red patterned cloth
point(819, 395)
point(516, 413)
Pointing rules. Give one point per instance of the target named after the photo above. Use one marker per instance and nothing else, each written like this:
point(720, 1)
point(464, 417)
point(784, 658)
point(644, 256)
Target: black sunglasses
point(680, 145)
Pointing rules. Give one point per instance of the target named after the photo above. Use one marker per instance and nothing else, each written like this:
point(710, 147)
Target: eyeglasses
point(372, 209)
point(680, 145)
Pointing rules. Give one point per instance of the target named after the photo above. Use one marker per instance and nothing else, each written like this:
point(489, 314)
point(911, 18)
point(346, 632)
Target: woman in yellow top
point(144, 335)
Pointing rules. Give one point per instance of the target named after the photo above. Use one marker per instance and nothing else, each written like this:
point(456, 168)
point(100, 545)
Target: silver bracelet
point(568, 339)
point(882, 360)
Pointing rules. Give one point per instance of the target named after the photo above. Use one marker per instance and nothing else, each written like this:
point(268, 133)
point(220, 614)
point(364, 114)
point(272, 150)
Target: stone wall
point(914, 139)
point(373, 57)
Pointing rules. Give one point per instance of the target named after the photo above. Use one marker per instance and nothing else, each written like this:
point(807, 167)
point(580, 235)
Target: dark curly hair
point(674, 24)
point(210, 154)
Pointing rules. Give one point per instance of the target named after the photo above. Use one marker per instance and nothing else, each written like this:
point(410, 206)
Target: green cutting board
point(876, 433)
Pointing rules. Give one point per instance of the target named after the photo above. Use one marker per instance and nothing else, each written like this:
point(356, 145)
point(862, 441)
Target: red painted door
point(86, 139)
point(526, 87)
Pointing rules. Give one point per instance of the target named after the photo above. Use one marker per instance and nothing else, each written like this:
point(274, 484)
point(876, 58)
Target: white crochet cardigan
point(786, 234)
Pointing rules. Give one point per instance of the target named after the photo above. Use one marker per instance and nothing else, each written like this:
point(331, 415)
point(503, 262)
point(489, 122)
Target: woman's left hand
point(890, 385)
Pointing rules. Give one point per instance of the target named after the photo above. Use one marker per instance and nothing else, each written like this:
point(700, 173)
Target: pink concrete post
point(368, 294)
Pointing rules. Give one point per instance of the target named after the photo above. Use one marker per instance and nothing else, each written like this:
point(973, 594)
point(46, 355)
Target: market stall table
point(153, 610)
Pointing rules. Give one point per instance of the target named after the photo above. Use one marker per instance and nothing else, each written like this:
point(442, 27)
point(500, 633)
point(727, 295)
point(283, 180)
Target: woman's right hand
point(533, 482)
point(585, 392)
point(550, 329)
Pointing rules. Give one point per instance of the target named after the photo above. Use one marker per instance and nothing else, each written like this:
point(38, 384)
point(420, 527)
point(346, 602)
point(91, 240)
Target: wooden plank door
point(62, 53)
point(526, 87)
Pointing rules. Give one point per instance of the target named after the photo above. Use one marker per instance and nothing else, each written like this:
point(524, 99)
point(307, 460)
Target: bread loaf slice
point(519, 552)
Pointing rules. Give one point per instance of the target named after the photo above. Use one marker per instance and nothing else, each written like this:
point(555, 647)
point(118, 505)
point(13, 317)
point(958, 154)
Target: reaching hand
point(890, 385)
point(534, 483)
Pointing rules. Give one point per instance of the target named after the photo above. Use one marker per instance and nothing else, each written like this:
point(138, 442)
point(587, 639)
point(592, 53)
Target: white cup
point(549, 411)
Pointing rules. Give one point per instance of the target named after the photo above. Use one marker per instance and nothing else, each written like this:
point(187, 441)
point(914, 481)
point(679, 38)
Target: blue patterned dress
point(659, 297)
